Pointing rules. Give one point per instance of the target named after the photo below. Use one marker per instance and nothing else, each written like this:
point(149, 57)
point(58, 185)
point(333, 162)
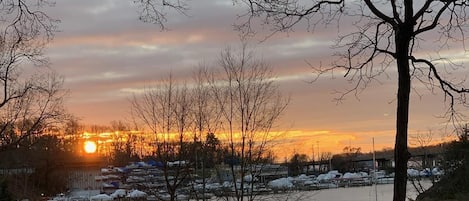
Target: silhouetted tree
point(36, 168)
point(72, 130)
point(213, 151)
point(27, 102)
point(297, 164)
point(124, 144)
point(388, 34)
point(422, 141)
point(164, 109)
point(251, 104)
point(351, 153)
point(454, 184)
point(339, 162)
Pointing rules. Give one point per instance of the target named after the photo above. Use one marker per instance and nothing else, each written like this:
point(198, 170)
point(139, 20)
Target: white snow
point(413, 172)
point(282, 183)
point(136, 194)
point(101, 197)
point(249, 178)
point(349, 175)
point(119, 193)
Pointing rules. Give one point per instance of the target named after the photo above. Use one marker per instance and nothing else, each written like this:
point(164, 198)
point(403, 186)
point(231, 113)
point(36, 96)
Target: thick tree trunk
point(401, 153)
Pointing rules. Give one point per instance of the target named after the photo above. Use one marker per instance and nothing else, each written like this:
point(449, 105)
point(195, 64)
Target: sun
point(90, 147)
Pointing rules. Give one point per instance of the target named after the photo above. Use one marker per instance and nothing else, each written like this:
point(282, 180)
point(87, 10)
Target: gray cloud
point(104, 52)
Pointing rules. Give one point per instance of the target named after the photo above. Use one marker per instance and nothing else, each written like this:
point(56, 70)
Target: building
point(83, 171)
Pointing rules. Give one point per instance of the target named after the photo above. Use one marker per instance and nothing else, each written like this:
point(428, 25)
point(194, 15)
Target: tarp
point(155, 163)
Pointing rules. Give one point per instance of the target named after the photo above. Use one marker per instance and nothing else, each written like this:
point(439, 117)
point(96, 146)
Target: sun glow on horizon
point(283, 144)
point(90, 147)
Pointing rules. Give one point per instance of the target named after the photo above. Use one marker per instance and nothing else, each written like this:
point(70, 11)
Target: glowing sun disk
point(90, 147)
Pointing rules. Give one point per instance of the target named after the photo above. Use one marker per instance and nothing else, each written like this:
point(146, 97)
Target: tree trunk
point(401, 153)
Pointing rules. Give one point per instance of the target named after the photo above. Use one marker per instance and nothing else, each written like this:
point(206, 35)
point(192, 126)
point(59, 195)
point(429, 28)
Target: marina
point(147, 181)
point(363, 193)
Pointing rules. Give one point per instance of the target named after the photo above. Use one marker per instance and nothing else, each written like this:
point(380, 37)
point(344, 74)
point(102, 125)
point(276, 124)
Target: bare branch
point(153, 11)
point(380, 14)
point(27, 104)
point(386, 32)
point(435, 21)
point(450, 89)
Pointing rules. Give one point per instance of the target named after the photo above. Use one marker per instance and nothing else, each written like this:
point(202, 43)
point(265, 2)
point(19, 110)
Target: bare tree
point(206, 120)
point(388, 34)
point(164, 109)
point(350, 154)
point(125, 144)
point(28, 104)
point(205, 113)
point(251, 105)
point(296, 164)
point(326, 156)
point(72, 130)
point(422, 141)
point(33, 114)
point(241, 99)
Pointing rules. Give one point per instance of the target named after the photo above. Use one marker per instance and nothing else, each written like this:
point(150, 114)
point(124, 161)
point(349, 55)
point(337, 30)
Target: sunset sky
point(105, 54)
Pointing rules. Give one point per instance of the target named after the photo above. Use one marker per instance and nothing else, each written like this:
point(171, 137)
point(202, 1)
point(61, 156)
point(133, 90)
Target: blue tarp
point(155, 163)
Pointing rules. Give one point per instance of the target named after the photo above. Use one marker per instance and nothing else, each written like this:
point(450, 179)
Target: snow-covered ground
point(365, 193)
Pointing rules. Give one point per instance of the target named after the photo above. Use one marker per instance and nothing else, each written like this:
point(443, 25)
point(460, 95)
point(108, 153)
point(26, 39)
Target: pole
point(312, 148)
point(319, 157)
point(374, 170)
